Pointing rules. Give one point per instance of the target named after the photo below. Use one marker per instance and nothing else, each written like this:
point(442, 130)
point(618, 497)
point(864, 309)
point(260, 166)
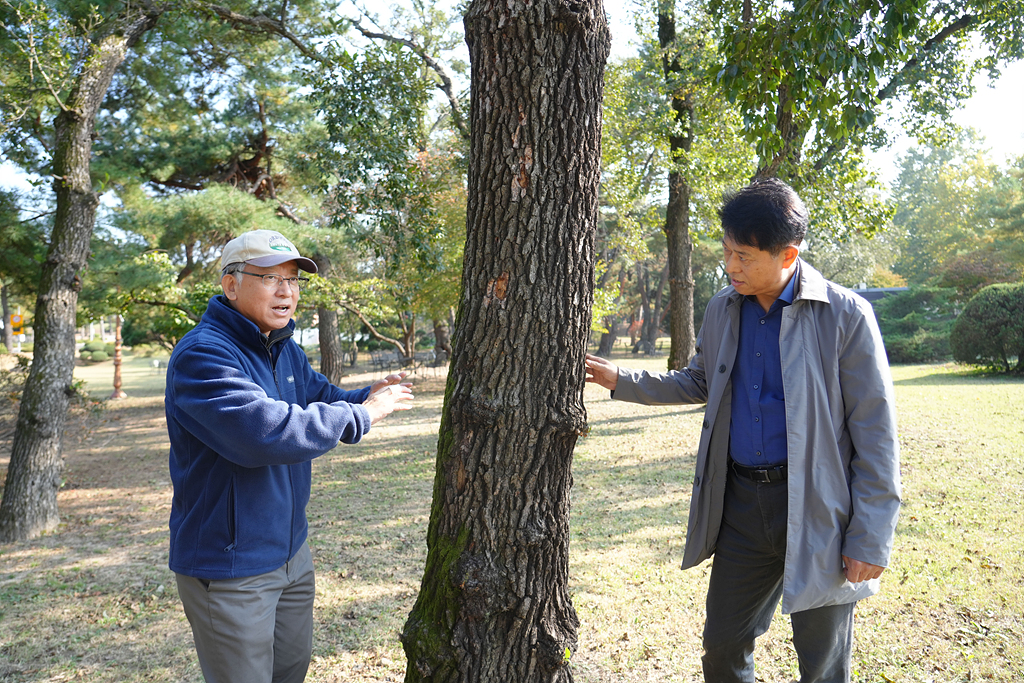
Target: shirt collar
point(789, 291)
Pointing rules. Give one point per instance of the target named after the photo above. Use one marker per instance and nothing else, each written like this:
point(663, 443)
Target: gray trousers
point(257, 629)
point(746, 586)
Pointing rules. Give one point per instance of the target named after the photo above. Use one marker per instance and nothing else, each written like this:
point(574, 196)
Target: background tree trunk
point(8, 339)
point(332, 356)
point(118, 357)
point(442, 339)
point(677, 215)
point(608, 339)
point(494, 604)
point(29, 505)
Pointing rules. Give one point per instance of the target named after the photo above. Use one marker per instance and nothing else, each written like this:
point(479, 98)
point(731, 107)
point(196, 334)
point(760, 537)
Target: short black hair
point(766, 214)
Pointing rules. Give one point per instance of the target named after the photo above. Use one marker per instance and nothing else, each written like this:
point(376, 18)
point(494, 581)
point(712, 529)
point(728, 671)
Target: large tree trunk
point(495, 604)
point(677, 215)
point(332, 356)
point(30, 497)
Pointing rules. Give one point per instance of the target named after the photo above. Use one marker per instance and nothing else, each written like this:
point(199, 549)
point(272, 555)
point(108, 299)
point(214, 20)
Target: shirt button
point(706, 425)
point(696, 481)
point(757, 452)
point(757, 419)
point(755, 386)
point(762, 321)
point(758, 354)
point(721, 368)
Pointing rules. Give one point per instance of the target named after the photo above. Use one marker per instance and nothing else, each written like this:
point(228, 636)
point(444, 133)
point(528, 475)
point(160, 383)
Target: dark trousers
point(746, 586)
point(258, 629)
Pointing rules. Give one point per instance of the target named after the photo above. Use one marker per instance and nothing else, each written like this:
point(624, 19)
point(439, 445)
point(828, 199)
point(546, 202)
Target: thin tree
point(29, 504)
point(494, 603)
point(677, 213)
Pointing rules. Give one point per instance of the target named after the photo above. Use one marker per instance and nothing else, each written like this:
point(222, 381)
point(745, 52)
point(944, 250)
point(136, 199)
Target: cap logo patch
point(278, 243)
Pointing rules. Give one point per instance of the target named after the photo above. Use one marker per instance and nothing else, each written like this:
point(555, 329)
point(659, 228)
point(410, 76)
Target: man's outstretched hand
point(393, 378)
point(602, 372)
point(388, 395)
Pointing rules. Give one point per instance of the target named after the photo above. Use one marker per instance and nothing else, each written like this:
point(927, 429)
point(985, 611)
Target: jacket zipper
point(291, 484)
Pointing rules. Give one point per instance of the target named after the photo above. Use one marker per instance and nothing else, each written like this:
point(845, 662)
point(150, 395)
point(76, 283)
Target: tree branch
point(180, 184)
point(900, 79)
point(285, 212)
point(32, 54)
point(265, 24)
point(178, 307)
point(896, 81)
point(373, 330)
point(446, 86)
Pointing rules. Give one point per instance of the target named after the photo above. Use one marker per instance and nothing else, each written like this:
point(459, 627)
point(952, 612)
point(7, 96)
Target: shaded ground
point(94, 601)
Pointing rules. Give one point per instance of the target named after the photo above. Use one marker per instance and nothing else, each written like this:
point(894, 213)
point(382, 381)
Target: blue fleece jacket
point(246, 414)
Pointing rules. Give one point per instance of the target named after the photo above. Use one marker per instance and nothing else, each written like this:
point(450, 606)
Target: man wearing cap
point(797, 484)
point(246, 415)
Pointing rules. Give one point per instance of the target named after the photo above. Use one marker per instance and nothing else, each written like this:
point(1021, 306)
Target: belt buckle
point(761, 476)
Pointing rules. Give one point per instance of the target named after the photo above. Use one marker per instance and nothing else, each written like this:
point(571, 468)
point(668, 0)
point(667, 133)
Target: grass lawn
point(94, 600)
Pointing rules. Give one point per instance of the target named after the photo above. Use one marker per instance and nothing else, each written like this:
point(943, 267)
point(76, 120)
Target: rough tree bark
point(494, 604)
point(332, 356)
point(30, 496)
point(677, 214)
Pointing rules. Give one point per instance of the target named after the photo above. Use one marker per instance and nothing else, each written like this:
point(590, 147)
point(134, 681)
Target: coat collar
point(810, 285)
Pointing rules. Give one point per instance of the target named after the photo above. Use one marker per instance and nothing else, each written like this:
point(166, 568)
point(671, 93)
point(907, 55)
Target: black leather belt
point(761, 475)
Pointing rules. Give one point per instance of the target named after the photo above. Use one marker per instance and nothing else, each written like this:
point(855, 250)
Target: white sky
point(997, 112)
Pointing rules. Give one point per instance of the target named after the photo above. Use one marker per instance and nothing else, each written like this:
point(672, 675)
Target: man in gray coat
point(796, 491)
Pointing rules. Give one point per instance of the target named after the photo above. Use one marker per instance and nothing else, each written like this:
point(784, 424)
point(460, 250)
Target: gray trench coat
point(844, 480)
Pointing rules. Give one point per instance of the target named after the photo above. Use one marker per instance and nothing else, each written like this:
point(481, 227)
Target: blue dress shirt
point(757, 430)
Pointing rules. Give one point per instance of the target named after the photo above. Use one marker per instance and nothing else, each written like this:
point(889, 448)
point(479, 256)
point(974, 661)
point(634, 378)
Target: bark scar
point(497, 290)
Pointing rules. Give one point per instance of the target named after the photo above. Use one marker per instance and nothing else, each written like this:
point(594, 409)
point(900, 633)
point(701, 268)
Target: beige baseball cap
point(263, 248)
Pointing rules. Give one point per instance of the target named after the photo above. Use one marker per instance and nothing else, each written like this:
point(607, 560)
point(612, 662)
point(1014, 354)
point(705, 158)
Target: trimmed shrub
point(990, 331)
point(94, 346)
point(85, 355)
point(98, 356)
point(915, 324)
point(109, 349)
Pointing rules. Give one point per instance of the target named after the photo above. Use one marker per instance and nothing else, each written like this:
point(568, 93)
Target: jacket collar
point(810, 285)
point(221, 313)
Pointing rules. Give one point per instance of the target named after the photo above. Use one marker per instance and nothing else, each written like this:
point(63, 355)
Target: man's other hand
point(387, 399)
point(602, 372)
point(857, 571)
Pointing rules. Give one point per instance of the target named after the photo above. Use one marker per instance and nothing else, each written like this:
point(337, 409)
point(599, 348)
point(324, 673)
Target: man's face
point(269, 308)
point(754, 272)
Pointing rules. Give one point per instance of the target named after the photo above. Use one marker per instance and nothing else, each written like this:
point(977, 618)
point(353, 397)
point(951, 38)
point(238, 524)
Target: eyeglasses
point(273, 281)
